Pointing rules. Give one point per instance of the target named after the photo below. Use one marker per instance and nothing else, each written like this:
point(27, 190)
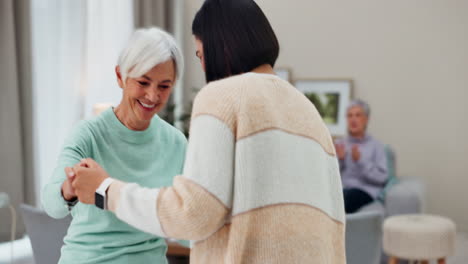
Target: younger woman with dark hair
point(236, 37)
point(261, 181)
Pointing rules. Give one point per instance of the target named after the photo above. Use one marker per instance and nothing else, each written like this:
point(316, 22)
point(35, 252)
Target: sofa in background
point(401, 195)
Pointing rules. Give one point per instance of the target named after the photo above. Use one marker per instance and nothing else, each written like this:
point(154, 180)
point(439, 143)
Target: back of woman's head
point(146, 49)
point(236, 37)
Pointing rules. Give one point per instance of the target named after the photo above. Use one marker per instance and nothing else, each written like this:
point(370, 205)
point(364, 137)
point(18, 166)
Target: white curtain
point(75, 46)
point(110, 24)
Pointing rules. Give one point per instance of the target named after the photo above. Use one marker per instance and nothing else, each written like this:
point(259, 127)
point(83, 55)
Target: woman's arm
point(74, 149)
point(196, 205)
point(376, 172)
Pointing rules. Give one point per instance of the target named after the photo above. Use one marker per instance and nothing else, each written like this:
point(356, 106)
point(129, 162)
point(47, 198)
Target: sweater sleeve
point(199, 201)
point(342, 164)
point(183, 139)
point(376, 172)
point(74, 149)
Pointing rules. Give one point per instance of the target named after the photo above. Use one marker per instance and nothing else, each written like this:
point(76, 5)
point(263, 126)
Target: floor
point(23, 252)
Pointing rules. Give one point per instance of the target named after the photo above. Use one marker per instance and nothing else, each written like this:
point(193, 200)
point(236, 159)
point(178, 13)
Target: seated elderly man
point(363, 163)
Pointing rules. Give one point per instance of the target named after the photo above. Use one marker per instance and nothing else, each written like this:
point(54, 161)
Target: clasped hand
point(341, 152)
point(83, 179)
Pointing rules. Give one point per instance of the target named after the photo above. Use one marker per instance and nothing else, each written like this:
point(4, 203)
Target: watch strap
point(100, 194)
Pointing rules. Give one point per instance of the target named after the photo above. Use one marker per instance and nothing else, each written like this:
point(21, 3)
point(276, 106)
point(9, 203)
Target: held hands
point(85, 177)
point(341, 152)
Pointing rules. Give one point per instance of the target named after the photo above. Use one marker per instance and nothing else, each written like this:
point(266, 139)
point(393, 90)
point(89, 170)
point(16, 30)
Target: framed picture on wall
point(283, 73)
point(330, 97)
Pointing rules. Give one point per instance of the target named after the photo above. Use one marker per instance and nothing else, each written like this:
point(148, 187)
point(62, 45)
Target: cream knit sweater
point(261, 182)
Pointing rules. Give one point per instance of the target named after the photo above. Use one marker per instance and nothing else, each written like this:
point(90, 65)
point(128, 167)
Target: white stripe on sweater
point(210, 157)
point(137, 207)
point(277, 167)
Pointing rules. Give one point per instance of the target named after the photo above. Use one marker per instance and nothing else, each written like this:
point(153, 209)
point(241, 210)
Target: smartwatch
point(100, 197)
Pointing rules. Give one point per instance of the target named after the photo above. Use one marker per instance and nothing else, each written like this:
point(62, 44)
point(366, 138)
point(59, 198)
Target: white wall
point(408, 59)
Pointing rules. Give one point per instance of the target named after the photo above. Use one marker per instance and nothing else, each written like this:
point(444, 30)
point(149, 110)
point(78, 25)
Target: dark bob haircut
point(236, 37)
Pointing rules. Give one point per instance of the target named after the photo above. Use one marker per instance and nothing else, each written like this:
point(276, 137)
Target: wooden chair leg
point(441, 261)
point(392, 260)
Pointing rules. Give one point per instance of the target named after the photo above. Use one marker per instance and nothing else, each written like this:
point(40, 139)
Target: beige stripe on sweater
point(287, 233)
point(187, 211)
point(272, 104)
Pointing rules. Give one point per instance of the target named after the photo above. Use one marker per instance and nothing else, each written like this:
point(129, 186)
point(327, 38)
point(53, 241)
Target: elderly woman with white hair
point(132, 143)
point(362, 158)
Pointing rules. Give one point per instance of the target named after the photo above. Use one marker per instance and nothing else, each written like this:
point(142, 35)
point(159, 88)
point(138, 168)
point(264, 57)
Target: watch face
point(99, 200)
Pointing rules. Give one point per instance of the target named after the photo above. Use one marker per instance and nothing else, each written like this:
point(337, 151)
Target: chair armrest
point(364, 237)
point(405, 197)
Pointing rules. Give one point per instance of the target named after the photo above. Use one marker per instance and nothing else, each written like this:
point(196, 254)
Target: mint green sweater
point(150, 158)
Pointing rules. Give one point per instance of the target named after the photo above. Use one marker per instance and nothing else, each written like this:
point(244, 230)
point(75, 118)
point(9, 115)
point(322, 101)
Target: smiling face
point(145, 96)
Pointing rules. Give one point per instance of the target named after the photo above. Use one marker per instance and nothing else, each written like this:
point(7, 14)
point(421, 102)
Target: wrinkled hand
point(88, 175)
point(356, 153)
point(340, 151)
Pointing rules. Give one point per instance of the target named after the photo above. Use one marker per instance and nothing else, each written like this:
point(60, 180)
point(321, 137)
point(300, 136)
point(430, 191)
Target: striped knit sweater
point(261, 183)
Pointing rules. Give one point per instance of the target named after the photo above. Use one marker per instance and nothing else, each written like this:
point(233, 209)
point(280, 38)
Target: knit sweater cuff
point(136, 205)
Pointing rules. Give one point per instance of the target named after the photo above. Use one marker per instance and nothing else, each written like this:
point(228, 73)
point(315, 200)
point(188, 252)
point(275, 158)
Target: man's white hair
point(147, 48)
point(364, 106)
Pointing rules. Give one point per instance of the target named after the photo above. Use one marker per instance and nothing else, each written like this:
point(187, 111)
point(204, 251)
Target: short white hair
point(147, 48)
point(361, 103)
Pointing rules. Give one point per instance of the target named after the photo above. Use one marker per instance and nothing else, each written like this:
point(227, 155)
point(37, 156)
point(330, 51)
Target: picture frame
point(331, 97)
point(284, 73)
